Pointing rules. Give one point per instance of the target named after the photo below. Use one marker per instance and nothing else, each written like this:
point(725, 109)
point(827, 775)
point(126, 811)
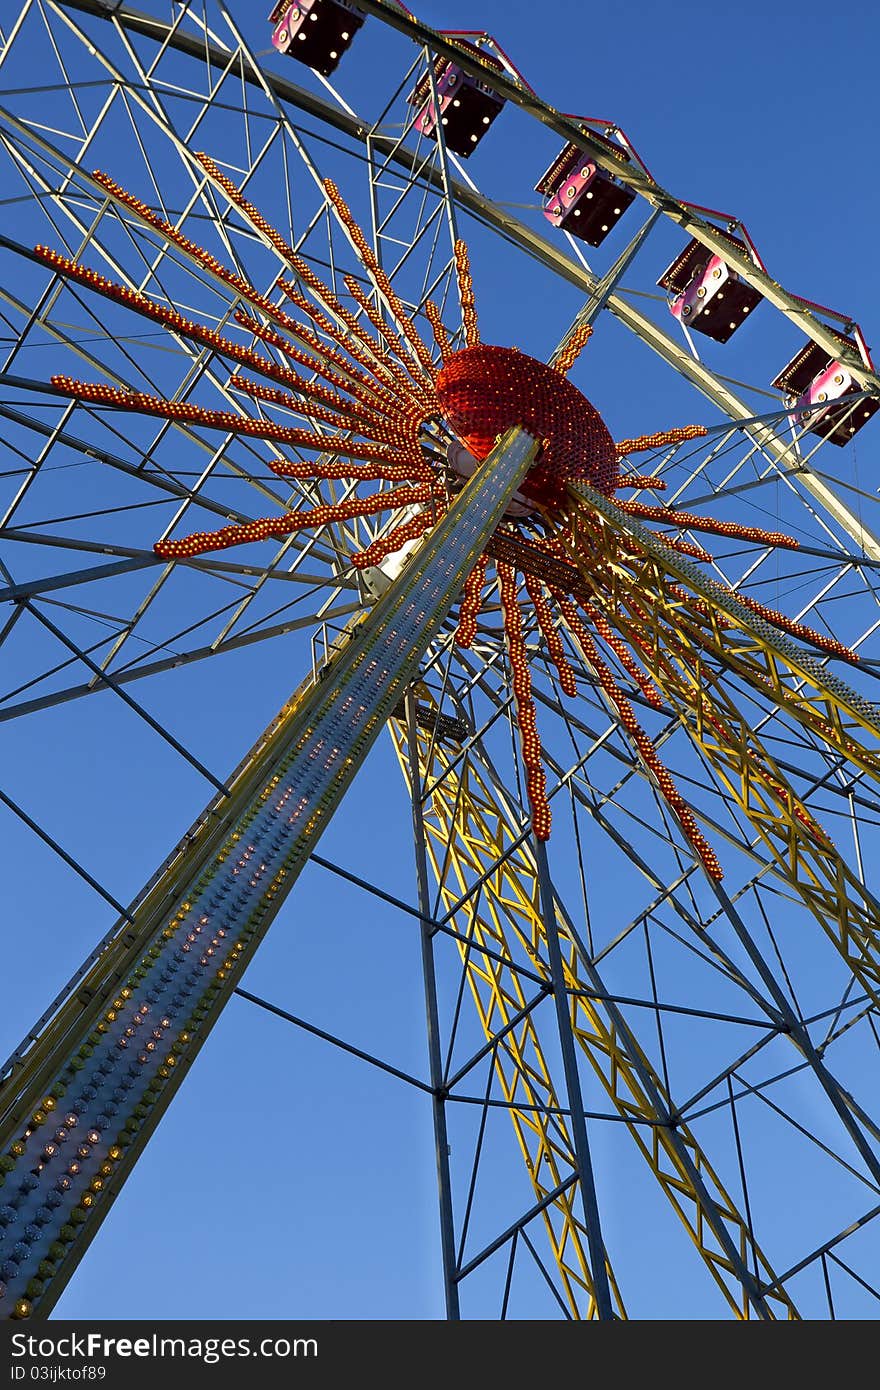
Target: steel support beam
point(435, 1058)
point(587, 1182)
point(472, 814)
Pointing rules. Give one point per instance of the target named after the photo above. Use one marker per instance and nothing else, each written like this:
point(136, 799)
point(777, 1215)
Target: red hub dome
point(484, 390)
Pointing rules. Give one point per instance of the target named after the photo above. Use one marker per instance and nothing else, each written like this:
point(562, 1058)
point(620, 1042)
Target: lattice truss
point(723, 1021)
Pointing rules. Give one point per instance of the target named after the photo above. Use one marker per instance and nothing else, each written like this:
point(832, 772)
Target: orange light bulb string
point(177, 238)
point(276, 527)
point(640, 480)
point(663, 439)
point(236, 282)
point(635, 556)
point(623, 654)
point(531, 559)
point(688, 548)
point(471, 603)
point(652, 653)
point(204, 258)
point(635, 629)
point(617, 550)
point(570, 554)
point(370, 394)
point(396, 537)
point(299, 265)
point(800, 630)
point(208, 337)
point(603, 627)
point(407, 327)
point(335, 306)
point(336, 470)
point(250, 211)
point(423, 385)
point(785, 797)
point(368, 428)
point(379, 429)
point(170, 318)
point(572, 349)
point(189, 413)
point(772, 616)
point(640, 739)
point(530, 743)
point(698, 605)
point(310, 391)
point(550, 634)
point(569, 522)
point(466, 294)
point(384, 370)
point(380, 279)
point(630, 552)
point(730, 529)
point(346, 369)
point(438, 328)
point(710, 714)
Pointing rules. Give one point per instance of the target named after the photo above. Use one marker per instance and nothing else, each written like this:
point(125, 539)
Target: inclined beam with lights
point(65, 1158)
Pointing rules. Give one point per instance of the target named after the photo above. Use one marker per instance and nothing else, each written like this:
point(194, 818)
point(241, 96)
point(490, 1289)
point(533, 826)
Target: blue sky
point(303, 1182)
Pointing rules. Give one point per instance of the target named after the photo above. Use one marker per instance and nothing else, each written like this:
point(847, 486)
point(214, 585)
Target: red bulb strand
point(663, 439)
point(550, 634)
point(466, 294)
point(623, 654)
point(384, 370)
point(395, 538)
point(177, 323)
point(423, 386)
point(322, 292)
point(169, 318)
point(342, 469)
point(730, 529)
point(438, 328)
point(305, 391)
point(304, 404)
point(573, 348)
point(376, 428)
point(366, 393)
point(532, 557)
point(795, 808)
point(640, 480)
point(192, 248)
point(402, 318)
point(689, 600)
point(274, 528)
point(646, 750)
point(688, 548)
point(799, 630)
point(709, 714)
point(530, 743)
point(346, 370)
point(383, 284)
point(252, 213)
point(770, 615)
point(189, 413)
point(471, 603)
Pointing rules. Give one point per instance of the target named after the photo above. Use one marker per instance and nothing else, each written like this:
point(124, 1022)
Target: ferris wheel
point(581, 691)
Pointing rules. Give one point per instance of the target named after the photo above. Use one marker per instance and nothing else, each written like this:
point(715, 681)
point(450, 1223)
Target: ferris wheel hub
point(485, 389)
